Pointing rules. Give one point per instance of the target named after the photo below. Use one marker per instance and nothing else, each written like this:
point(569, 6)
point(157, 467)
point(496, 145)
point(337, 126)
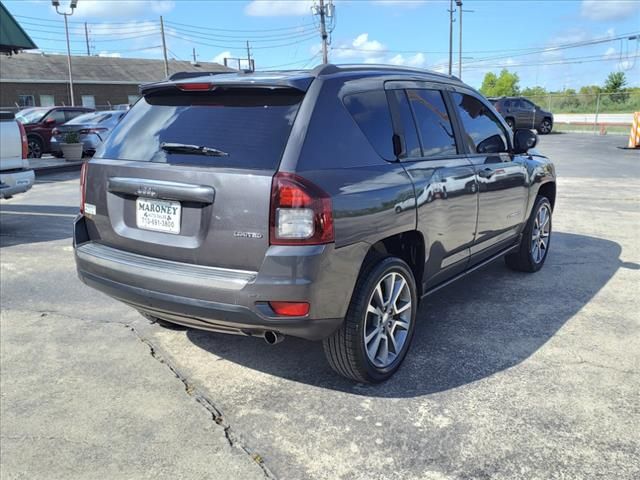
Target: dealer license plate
point(158, 215)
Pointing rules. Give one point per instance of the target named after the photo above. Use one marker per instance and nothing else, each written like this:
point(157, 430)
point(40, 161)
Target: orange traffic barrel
point(634, 136)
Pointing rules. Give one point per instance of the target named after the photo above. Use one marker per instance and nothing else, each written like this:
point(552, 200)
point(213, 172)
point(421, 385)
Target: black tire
point(163, 323)
point(511, 122)
point(345, 348)
point(545, 126)
point(35, 147)
point(522, 260)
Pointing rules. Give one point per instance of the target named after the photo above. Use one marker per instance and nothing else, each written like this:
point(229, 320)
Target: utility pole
point(86, 37)
point(194, 55)
point(459, 3)
point(164, 48)
point(73, 5)
point(450, 36)
point(249, 62)
point(323, 33)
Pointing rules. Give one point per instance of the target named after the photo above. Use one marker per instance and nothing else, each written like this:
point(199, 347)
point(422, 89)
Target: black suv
point(519, 112)
point(322, 204)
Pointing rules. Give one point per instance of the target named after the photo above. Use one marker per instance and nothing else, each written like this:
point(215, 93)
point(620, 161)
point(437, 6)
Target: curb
point(63, 167)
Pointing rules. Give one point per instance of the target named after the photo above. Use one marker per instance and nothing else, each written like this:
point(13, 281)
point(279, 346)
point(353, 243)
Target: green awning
point(12, 37)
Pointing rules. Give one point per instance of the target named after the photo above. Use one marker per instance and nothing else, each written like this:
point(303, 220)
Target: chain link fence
point(601, 113)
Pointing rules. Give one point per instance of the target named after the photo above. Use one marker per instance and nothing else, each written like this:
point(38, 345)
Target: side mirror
point(523, 140)
point(49, 121)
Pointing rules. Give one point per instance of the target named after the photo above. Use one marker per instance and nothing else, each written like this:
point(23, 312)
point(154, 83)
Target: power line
point(238, 30)
point(169, 34)
point(243, 37)
point(239, 39)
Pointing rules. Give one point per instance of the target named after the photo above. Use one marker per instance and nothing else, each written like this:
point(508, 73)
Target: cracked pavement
point(510, 375)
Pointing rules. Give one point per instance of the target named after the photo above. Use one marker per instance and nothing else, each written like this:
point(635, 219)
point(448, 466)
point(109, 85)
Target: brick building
point(35, 79)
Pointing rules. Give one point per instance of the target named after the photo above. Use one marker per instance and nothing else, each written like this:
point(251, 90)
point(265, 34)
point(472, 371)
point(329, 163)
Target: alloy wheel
point(34, 149)
point(387, 320)
point(545, 127)
point(540, 234)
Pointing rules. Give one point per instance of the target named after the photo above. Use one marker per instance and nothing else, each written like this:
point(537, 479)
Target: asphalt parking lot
point(510, 375)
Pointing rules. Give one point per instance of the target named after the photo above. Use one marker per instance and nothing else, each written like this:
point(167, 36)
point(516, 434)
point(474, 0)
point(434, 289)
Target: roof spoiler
point(236, 80)
point(185, 75)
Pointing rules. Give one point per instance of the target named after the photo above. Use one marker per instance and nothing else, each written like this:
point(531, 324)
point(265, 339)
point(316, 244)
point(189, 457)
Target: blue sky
point(521, 35)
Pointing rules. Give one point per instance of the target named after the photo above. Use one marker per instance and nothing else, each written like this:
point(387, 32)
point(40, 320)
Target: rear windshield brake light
point(196, 87)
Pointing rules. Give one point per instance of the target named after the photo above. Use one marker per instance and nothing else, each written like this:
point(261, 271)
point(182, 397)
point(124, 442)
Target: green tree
point(489, 84)
point(615, 82)
point(505, 84)
point(614, 86)
point(534, 92)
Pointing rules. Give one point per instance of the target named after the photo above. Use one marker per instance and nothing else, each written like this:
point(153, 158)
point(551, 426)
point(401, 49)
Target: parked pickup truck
point(15, 175)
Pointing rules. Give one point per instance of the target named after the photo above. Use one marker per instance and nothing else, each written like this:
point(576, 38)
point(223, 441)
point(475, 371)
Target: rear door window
point(408, 125)
point(483, 131)
point(433, 122)
point(370, 110)
point(251, 125)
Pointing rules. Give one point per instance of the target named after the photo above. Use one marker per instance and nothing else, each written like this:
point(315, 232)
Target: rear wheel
point(534, 245)
point(545, 127)
point(35, 147)
point(377, 331)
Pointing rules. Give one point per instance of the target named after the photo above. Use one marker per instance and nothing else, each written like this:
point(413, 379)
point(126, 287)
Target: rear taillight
point(23, 139)
point(83, 185)
point(300, 213)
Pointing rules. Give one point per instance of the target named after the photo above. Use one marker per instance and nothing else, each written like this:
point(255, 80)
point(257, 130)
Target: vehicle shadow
point(22, 224)
point(481, 325)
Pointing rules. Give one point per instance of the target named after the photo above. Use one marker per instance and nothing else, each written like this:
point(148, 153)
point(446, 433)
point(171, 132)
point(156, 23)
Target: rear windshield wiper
point(193, 149)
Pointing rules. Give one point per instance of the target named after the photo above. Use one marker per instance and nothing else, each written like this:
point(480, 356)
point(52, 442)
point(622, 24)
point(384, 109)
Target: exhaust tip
point(273, 337)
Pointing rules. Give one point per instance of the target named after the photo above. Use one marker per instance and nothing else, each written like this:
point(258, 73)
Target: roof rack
point(329, 69)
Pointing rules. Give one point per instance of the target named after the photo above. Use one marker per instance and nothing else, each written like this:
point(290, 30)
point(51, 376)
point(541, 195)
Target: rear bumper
point(16, 182)
point(224, 300)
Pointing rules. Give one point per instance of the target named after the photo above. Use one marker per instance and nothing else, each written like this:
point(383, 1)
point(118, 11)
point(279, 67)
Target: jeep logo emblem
point(146, 192)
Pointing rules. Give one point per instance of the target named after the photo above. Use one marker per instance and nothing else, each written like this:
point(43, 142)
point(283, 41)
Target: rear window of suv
point(251, 125)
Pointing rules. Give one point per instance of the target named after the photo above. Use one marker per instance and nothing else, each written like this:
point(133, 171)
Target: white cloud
point(602, 10)
point(126, 8)
point(104, 53)
point(277, 8)
point(610, 53)
point(417, 60)
point(221, 56)
point(361, 47)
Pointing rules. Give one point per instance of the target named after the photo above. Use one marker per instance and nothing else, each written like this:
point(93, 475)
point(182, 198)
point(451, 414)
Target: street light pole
point(73, 5)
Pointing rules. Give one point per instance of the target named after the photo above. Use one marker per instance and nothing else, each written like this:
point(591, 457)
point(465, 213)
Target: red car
point(40, 121)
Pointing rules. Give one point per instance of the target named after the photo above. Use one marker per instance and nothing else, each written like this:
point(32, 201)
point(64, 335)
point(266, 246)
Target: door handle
point(486, 173)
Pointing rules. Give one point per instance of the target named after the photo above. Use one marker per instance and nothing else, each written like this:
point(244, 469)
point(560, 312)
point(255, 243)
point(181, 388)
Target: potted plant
point(71, 147)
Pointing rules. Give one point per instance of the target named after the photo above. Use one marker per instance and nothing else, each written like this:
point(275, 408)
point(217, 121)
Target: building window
point(26, 101)
point(88, 101)
point(133, 99)
point(47, 101)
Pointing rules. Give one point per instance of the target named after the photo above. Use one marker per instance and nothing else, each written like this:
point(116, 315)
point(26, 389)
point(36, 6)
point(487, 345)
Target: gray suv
point(321, 204)
point(519, 112)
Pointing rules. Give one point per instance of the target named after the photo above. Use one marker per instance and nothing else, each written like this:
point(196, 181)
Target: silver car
point(92, 128)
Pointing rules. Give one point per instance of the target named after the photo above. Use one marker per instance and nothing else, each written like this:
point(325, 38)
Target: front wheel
point(536, 238)
point(375, 336)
